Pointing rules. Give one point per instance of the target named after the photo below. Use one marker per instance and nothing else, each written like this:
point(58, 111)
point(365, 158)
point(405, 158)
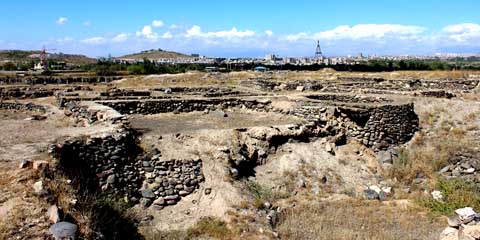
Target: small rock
point(111, 179)
point(453, 222)
point(375, 188)
point(25, 164)
point(63, 230)
point(171, 197)
point(145, 202)
point(208, 191)
point(329, 148)
point(148, 193)
point(53, 214)
point(39, 164)
point(300, 88)
point(147, 218)
point(183, 193)
point(465, 213)
point(437, 195)
point(160, 201)
point(38, 187)
point(444, 169)
point(370, 194)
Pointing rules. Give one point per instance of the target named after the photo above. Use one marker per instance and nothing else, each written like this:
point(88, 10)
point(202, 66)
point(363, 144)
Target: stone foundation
point(383, 126)
point(181, 105)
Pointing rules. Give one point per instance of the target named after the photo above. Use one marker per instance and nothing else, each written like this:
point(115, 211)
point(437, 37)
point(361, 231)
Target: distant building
point(261, 69)
point(270, 57)
point(38, 67)
point(211, 69)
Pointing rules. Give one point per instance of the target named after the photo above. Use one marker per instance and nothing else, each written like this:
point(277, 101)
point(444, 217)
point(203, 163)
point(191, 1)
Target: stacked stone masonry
point(106, 162)
point(56, 80)
point(167, 181)
point(383, 126)
point(180, 105)
point(114, 165)
point(22, 107)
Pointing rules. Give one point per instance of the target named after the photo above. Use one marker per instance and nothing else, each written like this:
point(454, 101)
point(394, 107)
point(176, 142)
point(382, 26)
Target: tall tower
point(318, 52)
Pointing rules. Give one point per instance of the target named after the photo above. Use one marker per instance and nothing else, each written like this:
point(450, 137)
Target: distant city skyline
point(246, 29)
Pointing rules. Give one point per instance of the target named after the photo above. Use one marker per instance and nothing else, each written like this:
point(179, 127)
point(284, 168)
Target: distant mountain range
point(22, 56)
point(155, 54)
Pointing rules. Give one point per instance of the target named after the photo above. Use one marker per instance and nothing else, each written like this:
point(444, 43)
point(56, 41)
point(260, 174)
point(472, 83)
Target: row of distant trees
point(106, 67)
point(23, 66)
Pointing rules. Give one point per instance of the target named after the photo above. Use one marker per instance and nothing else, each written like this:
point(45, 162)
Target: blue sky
point(243, 28)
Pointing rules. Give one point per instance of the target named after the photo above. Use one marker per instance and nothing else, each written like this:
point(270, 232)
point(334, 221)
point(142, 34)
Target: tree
point(9, 66)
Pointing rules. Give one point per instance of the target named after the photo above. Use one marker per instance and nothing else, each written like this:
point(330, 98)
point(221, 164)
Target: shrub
point(457, 193)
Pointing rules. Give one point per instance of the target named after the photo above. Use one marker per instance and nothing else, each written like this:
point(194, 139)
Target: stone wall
point(334, 98)
point(25, 92)
point(382, 126)
point(22, 106)
point(181, 105)
point(105, 162)
point(56, 80)
point(167, 181)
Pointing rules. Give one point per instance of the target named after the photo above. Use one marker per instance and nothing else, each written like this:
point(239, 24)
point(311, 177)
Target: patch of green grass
point(457, 192)
point(263, 194)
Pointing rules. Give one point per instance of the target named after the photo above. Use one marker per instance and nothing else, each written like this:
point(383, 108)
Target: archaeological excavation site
point(241, 155)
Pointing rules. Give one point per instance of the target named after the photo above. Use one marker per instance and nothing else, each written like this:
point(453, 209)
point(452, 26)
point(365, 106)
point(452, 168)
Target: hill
point(21, 56)
point(155, 54)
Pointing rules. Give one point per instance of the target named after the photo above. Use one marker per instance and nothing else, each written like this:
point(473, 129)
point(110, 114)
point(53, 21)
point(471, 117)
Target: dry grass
point(446, 133)
point(205, 228)
point(356, 220)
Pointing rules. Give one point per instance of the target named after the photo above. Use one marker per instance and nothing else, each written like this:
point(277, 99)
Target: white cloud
point(462, 32)
point(362, 31)
point(370, 31)
point(62, 20)
point(167, 35)
point(65, 40)
point(147, 32)
point(122, 37)
point(296, 37)
point(174, 26)
point(157, 23)
point(87, 24)
point(269, 32)
point(94, 40)
point(196, 31)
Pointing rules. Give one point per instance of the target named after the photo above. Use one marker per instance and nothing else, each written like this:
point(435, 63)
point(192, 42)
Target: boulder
point(63, 231)
point(472, 231)
point(39, 164)
point(53, 214)
point(465, 214)
point(449, 233)
point(454, 222)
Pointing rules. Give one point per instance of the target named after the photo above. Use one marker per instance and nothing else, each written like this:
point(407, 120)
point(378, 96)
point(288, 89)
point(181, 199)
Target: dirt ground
point(317, 192)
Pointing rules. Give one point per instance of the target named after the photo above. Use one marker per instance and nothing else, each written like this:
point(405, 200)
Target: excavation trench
point(111, 169)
